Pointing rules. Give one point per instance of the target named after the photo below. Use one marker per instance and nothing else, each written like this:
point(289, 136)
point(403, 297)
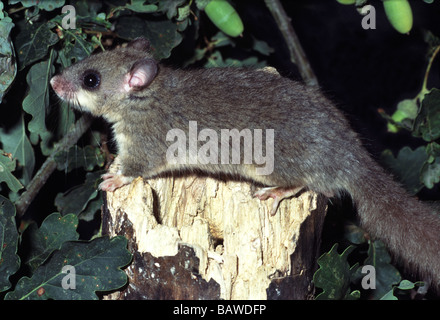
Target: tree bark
point(202, 238)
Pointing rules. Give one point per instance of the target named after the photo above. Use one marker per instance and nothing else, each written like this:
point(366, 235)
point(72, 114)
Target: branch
point(428, 69)
point(50, 165)
point(297, 54)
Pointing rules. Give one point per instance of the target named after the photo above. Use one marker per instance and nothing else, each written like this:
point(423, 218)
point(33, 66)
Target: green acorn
point(346, 1)
point(224, 16)
point(399, 14)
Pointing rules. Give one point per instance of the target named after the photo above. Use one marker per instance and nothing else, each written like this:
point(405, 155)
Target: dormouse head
point(100, 84)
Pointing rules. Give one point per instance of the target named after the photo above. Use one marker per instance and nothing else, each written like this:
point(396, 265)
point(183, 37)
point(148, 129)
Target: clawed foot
point(278, 194)
point(113, 181)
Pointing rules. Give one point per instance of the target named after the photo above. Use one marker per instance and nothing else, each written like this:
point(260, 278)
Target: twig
point(50, 165)
point(297, 54)
point(428, 69)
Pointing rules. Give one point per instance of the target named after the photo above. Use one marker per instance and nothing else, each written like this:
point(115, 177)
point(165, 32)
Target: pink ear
point(142, 73)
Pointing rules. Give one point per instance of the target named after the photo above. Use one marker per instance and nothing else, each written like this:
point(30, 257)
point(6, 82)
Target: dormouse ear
point(142, 73)
point(140, 44)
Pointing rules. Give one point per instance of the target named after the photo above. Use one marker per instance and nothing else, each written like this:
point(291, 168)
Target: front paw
point(113, 181)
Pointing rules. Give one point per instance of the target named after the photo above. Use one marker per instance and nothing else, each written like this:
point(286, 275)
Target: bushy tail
point(409, 228)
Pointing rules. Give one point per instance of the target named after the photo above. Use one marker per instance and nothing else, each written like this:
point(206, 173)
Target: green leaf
point(403, 285)
point(37, 100)
point(75, 48)
point(139, 6)
point(8, 64)
point(199, 54)
point(407, 166)
point(92, 208)
point(389, 296)
point(216, 61)
point(201, 4)
point(406, 285)
point(47, 5)
point(354, 233)
point(262, 47)
point(170, 7)
point(76, 199)
point(183, 13)
point(427, 123)
point(334, 275)
point(53, 232)
point(221, 40)
point(96, 267)
point(16, 142)
point(9, 260)
point(355, 295)
point(76, 157)
point(431, 173)
point(65, 116)
point(7, 166)
point(33, 42)
point(162, 34)
point(433, 149)
point(87, 8)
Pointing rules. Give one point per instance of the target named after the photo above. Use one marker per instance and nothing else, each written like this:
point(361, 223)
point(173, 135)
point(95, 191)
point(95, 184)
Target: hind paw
point(278, 194)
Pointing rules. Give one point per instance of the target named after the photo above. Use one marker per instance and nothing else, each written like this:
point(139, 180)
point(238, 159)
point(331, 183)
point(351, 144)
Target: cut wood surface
point(202, 238)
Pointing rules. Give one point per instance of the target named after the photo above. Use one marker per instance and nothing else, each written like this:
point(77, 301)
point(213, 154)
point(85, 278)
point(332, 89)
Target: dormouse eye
point(91, 79)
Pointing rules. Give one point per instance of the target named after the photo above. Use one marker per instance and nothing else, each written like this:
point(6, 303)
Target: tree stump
point(202, 238)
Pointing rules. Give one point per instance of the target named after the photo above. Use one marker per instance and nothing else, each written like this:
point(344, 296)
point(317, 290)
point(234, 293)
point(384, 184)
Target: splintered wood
point(243, 252)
